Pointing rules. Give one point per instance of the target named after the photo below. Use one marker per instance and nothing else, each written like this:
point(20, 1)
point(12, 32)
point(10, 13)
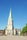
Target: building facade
point(10, 26)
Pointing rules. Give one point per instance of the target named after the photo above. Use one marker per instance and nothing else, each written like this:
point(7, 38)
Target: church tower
point(10, 26)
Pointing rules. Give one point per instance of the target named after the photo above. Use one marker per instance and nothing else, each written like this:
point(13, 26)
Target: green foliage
point(24, 29)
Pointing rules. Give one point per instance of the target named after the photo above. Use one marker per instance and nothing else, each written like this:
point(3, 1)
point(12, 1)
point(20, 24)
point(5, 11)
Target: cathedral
point(10, 30)
point(10, 27)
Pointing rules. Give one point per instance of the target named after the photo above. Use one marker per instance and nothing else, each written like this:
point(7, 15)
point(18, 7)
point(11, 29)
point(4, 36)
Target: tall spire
point(10, 19)
point(10, 16)
point(10, 23)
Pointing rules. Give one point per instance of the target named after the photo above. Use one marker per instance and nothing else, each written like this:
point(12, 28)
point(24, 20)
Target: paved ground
point(13, 37)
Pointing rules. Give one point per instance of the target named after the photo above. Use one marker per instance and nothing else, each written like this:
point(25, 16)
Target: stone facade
point(10, 30)
point(17, 32)
point(10, 26)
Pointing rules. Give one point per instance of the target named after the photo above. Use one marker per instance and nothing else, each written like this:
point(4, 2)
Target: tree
point(24, 30)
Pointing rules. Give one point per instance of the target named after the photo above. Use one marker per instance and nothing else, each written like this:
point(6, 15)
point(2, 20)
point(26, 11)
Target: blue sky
point(19, 12)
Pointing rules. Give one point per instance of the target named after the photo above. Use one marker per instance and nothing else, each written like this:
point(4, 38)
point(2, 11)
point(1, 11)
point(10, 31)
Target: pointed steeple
point(10, 16)
point(10, 20)
point(10, 23)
